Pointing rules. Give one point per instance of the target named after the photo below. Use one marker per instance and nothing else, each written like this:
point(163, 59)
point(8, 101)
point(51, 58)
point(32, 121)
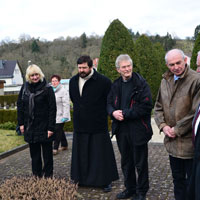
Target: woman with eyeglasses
point(36, 114)
point(63, 113)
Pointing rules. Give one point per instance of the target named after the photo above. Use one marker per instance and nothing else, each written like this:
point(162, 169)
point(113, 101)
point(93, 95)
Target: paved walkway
point(161, 187)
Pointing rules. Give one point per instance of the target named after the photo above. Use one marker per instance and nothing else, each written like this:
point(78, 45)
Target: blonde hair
point(33, 69)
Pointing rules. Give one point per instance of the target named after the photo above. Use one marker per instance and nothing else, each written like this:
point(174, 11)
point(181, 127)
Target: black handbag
point(18, 130)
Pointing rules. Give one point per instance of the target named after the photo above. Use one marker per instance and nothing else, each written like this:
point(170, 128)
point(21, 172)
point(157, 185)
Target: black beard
point(83, 74)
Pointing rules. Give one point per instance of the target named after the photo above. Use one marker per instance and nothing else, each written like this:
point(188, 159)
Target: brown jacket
point(175, 106)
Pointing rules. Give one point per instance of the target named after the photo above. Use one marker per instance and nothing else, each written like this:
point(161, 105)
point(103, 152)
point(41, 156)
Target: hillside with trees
point(54, 57)
point(59, 56)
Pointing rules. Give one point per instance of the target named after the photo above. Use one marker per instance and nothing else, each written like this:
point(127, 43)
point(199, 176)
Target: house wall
point(1, 91)
point(12, 89)
point(1, 88)
point(17, 76)
point(13, 85)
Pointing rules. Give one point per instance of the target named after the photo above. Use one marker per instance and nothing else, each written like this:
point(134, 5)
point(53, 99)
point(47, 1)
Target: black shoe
point(107, 188)
point(140, 197)
point(125, 194)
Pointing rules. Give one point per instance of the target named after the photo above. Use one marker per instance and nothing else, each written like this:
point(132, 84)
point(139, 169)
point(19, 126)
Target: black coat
point(39, 115)
point(194, 185)
point(89, 110)
point(138, 116)
point(93, 162)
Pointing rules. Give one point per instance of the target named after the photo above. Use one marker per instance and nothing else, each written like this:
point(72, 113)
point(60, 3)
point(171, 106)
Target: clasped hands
point(168, 131)
point(117, 114)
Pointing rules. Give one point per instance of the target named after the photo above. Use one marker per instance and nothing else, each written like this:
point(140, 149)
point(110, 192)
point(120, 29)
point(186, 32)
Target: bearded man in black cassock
point(93, 161)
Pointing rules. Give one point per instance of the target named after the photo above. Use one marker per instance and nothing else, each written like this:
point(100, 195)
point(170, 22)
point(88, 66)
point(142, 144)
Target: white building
point(11, 73)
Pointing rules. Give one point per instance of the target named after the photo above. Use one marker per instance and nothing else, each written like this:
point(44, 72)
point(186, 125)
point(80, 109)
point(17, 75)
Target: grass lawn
point(9, 140)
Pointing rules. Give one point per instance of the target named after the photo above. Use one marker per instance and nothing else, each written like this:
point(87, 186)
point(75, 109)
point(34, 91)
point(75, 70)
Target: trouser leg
point(127, 162)
point(141, 163)
point(197, 182)
point(181, 172)
point(35, 152)
point(58, 132)
point(64, 142)
point(48, 159)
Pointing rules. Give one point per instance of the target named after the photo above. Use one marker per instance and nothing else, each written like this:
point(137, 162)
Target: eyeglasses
point(32, 75)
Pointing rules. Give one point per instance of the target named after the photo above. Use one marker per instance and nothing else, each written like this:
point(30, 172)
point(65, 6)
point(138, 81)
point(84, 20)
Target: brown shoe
point(55, 151)
point(63, 148)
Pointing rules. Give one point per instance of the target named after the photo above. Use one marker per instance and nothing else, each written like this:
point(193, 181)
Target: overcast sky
point(51, 19)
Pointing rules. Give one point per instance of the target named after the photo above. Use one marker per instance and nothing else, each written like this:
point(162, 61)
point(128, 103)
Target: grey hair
point(174, 50)
point(122, 57)
point(33, 69)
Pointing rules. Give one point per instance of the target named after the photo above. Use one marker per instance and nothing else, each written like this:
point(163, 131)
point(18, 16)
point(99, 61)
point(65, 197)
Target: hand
point(117, 114)
point(168, 131)
point(22, 129)
point(50, 133)
point(64, 120)
point(172, 132)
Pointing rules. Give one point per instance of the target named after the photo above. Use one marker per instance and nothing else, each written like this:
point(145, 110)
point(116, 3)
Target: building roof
point(7, 68)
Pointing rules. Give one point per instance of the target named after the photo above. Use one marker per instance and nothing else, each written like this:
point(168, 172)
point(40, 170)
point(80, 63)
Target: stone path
point(161, 187)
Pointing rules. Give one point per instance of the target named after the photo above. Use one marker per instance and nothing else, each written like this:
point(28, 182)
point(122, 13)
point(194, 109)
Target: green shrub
point(68, 127)
point(32, 188)
point(196, 48)
point(150, 62)
point(11, 117)
point(8, 116)
point(8, 126)
point(8, 99)
point(117, 40)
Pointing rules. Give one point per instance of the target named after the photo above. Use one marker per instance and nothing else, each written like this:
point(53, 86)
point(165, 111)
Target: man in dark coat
point(130, 105)
point(93, 161)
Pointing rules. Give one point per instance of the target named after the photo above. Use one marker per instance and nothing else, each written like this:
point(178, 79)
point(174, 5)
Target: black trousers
point(37, 151)
point(59, 136)
point(181, 173)
point(133, 158)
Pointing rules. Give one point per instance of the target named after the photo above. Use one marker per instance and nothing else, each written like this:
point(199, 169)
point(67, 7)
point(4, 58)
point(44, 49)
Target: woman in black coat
point(36, 114)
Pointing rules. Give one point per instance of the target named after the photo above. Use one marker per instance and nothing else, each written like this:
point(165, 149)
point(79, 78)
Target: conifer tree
point(117, 40)
point(150, 62)
point(194, 52)
point(35, 47)
point(196, 31)
point(83, 39)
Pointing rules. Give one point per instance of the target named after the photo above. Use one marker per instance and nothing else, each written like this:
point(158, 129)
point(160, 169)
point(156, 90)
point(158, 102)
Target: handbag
point(18, 130)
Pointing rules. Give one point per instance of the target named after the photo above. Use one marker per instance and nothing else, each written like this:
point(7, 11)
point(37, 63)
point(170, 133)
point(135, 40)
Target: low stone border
point(24, 146)
point(12, 151)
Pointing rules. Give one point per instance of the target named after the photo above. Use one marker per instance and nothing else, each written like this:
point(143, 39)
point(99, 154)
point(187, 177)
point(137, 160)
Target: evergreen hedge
point(11, 116)
point(8, 99)
point(8, 116)
point(196, 48)
point(150, 62)
point(117, 40)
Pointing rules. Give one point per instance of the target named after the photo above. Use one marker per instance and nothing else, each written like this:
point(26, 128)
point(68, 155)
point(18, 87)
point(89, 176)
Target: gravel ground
point(161, 186)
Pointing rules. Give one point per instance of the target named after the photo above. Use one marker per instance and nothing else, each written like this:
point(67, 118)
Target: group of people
point(43, 110)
